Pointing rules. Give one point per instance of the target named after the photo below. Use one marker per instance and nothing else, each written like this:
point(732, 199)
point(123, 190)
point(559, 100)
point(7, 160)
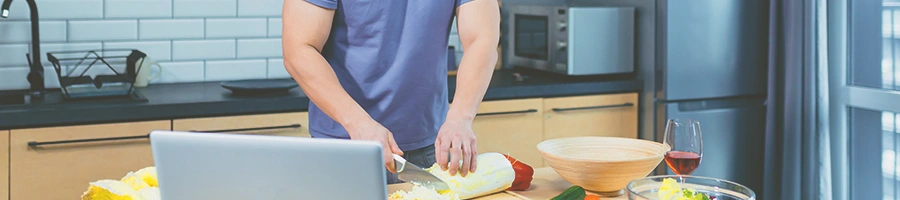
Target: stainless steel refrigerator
point(712, 62)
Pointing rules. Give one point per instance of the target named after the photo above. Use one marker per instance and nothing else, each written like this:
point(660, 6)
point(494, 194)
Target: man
point(377, 70)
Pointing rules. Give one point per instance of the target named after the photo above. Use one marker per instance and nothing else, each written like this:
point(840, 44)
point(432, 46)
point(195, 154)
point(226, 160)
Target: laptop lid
point(232, 166)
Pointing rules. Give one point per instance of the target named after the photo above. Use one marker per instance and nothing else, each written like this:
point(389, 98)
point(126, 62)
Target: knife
point(411, 173)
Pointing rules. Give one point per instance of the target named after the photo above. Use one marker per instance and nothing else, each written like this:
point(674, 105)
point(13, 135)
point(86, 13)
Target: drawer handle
point(593, 107)
point(507, 112)
point(34, 144)
point(251, 129)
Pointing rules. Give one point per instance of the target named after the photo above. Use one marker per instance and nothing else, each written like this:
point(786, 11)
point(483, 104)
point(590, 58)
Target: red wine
point(683, 163)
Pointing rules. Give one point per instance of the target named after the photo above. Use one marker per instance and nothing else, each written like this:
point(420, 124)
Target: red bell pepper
point(524, 174)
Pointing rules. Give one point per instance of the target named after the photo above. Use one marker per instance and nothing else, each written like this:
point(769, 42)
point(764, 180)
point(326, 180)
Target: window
point(864, 81)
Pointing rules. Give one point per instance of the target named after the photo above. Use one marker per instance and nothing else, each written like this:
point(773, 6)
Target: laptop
point(232, 166)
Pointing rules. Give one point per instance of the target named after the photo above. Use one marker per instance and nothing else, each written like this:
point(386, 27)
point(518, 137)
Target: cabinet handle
point(34, 144)
point(593, 107)
point(507, 112)
point(251, 129)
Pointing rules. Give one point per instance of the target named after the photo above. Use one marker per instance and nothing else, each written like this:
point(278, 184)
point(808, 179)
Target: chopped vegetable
point(110, 190)
point(591, 197)
point(573, 193)
point(419, 192)
point(150, 193)
point(671, 190)
point(140, 185)
point(148, 174)
point(524, 174)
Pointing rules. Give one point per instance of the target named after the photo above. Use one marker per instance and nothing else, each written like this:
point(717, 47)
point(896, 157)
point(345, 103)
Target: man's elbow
point(297, 57)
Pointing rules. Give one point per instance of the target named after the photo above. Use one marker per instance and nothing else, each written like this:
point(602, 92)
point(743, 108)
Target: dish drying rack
point(114, 70)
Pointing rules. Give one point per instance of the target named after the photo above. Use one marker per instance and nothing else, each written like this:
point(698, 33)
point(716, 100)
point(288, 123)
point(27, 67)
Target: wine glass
point(686, 143)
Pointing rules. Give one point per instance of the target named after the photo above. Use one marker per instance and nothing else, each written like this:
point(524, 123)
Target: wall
point(194, 40)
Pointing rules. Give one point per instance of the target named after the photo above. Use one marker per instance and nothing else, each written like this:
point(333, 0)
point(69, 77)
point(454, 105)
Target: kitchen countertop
point(545, 185)
point(190, 100)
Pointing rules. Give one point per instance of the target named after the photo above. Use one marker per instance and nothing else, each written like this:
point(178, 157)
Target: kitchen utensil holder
point(116, 68)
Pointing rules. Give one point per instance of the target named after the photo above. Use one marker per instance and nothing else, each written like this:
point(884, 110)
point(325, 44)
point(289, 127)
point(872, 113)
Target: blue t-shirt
point(391, 57)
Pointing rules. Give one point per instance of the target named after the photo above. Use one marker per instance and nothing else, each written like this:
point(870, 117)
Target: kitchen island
point(546, 185)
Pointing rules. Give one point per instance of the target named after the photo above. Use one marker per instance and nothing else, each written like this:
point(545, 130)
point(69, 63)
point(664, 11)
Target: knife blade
point(409, 172)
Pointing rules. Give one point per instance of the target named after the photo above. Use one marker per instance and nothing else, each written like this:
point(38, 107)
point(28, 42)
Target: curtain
point(797, 149)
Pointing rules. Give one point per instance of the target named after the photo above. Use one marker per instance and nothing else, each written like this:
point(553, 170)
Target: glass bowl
point(718, 189)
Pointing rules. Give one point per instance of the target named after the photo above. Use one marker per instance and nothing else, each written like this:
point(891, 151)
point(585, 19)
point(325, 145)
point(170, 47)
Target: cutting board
point(546, 184)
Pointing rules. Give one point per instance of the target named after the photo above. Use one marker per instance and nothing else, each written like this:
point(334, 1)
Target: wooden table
point(546, 184)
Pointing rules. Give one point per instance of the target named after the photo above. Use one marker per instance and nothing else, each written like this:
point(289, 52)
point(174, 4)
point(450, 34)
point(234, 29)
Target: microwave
point(570, 40)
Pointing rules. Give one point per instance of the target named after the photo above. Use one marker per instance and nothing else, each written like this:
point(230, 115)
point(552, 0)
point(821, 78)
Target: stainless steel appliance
point(571, 40)
point(712, 57)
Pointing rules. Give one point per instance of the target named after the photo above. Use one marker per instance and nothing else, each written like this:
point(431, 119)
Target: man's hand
point(372, 130)
point(457, 140)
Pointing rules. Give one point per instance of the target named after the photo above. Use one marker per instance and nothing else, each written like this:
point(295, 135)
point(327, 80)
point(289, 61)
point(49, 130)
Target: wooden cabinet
point(281, 124)
point(596, 115)
point(4, 165)
point(63, 171)
point(512, 127)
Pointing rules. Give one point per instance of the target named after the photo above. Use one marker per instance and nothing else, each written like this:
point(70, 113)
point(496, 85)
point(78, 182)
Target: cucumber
point(573, 193)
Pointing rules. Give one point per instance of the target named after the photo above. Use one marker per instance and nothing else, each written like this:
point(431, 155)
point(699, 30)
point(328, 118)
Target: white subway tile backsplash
point(97, 30)
point(14, 78)
point(156, 50)
point(138, 8)
point(255, 48)
point(205, 8)
point(274, 27)
point(195, 40)
point(59, 47)
point(13, 55)
point(454, 41)
point(51, 80)
point(235, 70)
point(277, 70)
point(237, 27)
point(171, 29)
point(59, 9)
point(259, 7)
point(453, 27)
point(180, 72)
point(203, 49)
point(20, 31)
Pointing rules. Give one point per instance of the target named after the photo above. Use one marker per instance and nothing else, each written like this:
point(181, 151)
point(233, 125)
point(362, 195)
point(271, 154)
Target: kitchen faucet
point(36, 76)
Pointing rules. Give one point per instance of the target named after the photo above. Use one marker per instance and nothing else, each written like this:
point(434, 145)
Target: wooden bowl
point(602, 165)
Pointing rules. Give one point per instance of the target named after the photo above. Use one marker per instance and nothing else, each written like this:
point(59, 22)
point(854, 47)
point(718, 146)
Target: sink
point(12, 98)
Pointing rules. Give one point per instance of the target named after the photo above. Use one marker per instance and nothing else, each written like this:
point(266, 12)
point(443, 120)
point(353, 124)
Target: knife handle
point(399, 163)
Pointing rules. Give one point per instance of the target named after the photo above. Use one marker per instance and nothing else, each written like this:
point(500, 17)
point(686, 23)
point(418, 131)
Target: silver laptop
point(229, 166)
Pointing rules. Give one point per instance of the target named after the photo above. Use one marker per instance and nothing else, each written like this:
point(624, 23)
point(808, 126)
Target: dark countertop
point(190, 100)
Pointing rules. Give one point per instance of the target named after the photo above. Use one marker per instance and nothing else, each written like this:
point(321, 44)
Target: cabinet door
point(613, 115)
point(4, 165)
point(63, 171)
point(281, 124)
point(512, 127)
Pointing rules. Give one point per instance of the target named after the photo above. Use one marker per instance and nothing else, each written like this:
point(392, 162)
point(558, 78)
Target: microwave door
point(531, 36)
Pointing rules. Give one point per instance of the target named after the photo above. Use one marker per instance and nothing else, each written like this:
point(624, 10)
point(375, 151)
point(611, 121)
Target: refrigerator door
point(713, 48)
point(733, 138)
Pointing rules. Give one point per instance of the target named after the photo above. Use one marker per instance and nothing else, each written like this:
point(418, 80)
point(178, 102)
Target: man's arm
point(305, 29)
point(479, 31)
